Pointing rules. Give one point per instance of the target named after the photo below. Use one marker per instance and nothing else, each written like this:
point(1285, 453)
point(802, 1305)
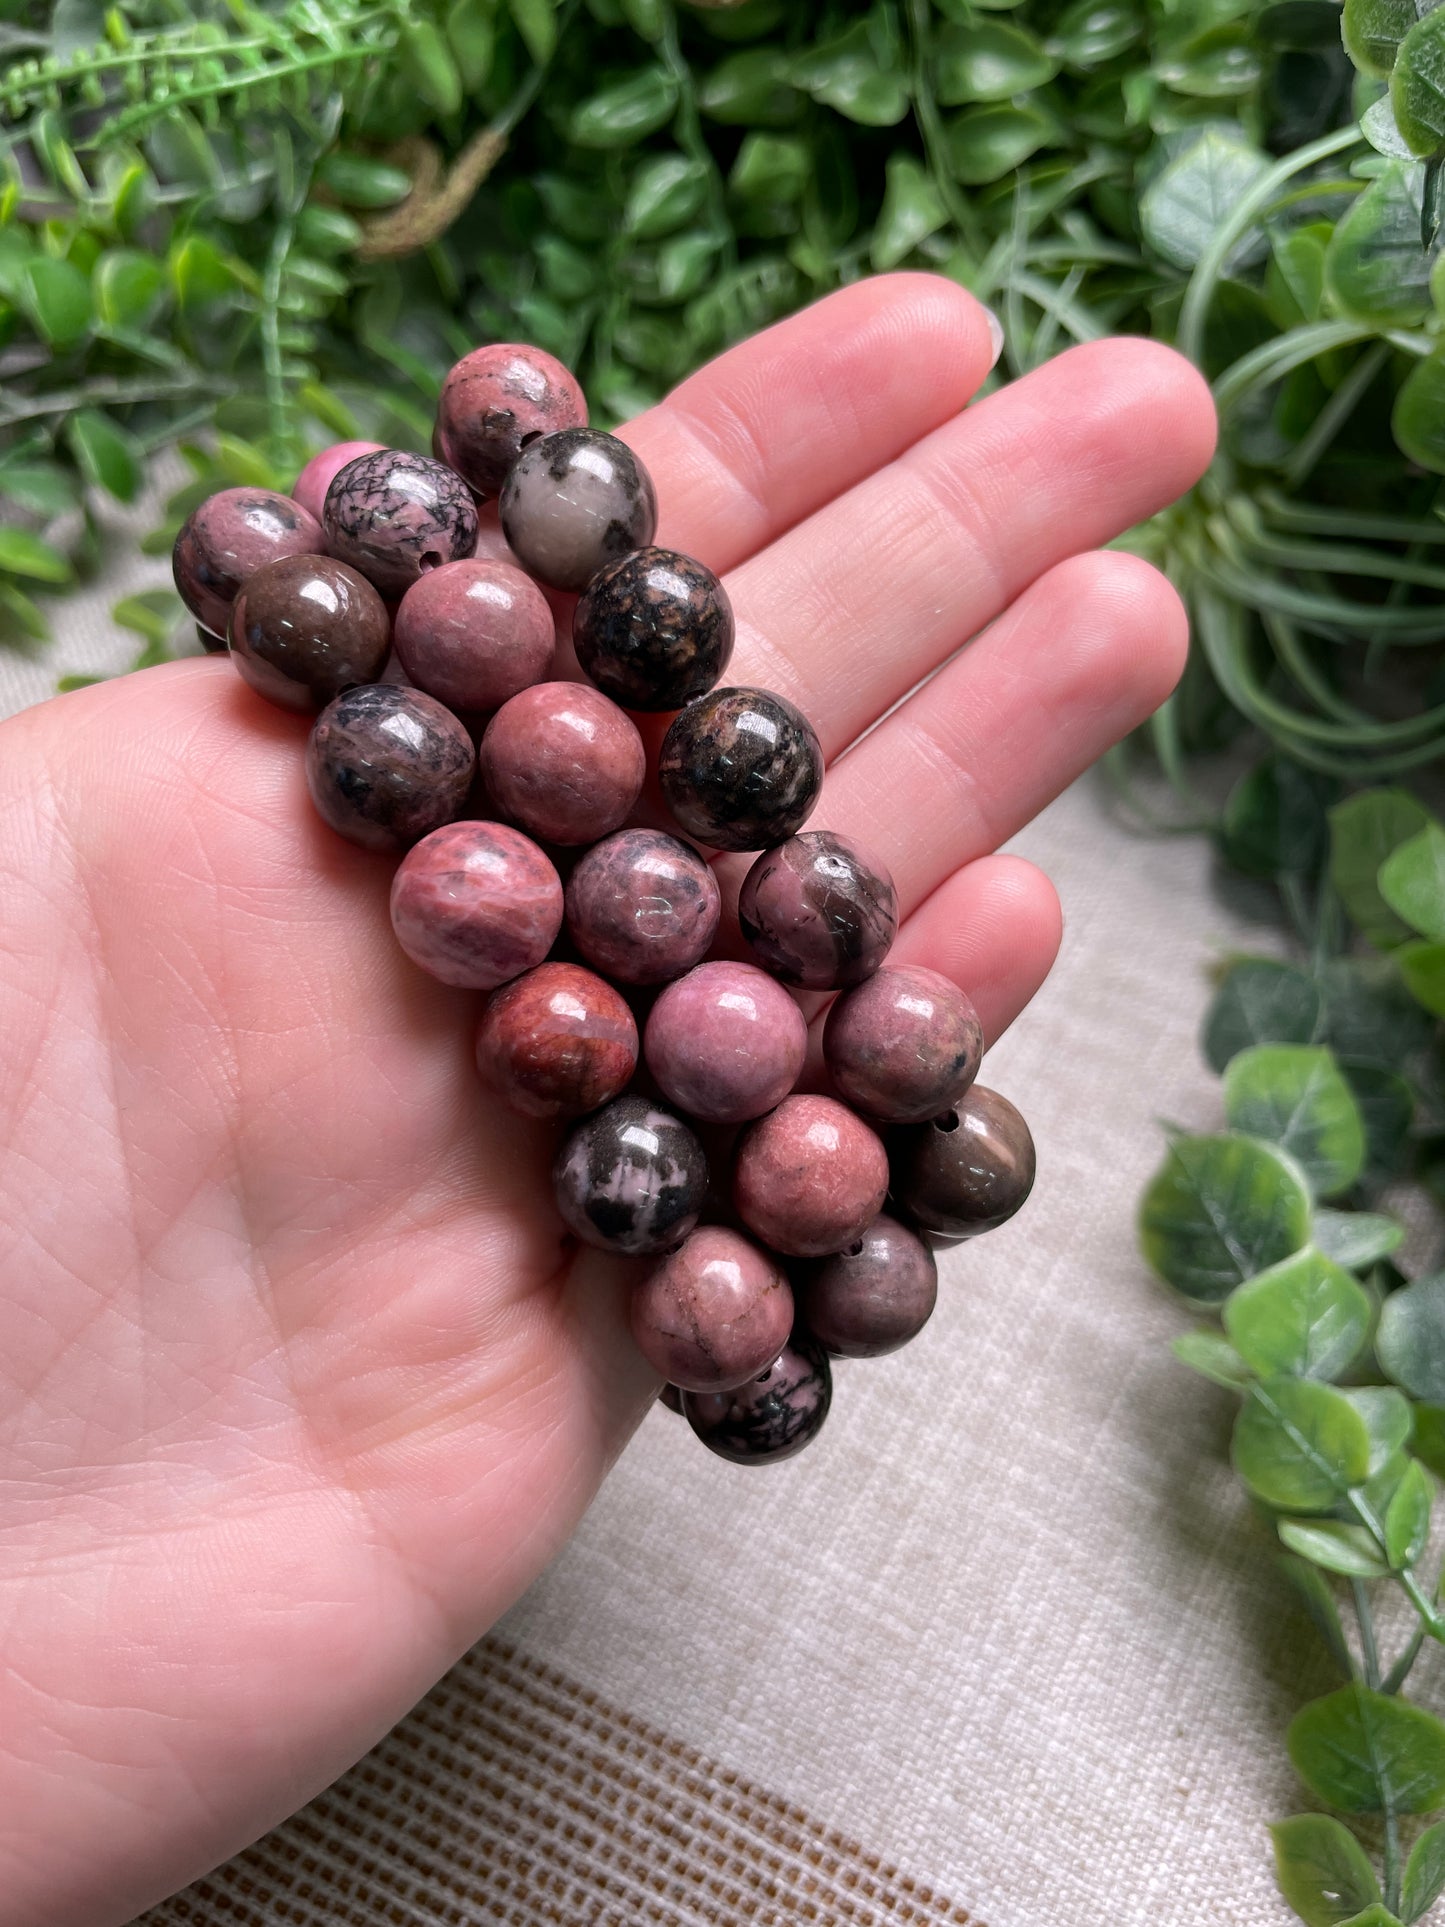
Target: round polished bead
point(632, 1177)
point(556, 1042)
point(671, 1397)
point(818, 912)
point(809, 1178)
point(575, 501)
point(387, 764)
point(231, 535)
point(905, 1046)
point(474, 633)
point(476, 904)
point(712, 1313)
point(966, 1171)
point(307, 627)
point(873, 1296)
point(741, 769)
point(394, 516)
point(725, 1042)
point(497, 400)
point(654, 630)
point(321, 471)
point(642, 907)
point(773, 1415)
point(213, 645)
point(564, 762)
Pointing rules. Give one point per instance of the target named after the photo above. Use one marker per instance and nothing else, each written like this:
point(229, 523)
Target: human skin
point(293, 1407)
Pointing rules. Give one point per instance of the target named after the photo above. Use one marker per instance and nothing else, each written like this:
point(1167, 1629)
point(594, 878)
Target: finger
point(775, 428)
point(850, 610)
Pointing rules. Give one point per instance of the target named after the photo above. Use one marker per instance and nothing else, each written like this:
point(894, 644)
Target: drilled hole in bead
point(856, 1250)
point(430, 559)
point(533, 435)
point(948, 1122)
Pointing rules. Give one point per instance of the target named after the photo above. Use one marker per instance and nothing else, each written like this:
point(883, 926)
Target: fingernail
point(995, 335)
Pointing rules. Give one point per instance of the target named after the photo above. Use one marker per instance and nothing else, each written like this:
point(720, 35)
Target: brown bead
point(873, 1296)
point(966, 1171)
point(307, 627)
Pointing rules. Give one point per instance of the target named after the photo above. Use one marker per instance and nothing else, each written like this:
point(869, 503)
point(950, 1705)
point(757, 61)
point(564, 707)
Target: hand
point(299, 1385)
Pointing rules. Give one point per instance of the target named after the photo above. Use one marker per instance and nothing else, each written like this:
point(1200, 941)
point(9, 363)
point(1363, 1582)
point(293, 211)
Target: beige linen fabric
point(1001, 1646)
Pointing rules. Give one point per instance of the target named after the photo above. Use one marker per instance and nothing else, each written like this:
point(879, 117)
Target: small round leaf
point(1294, 1095)
point(1410, 1342)
point(1219, 1210)
point(1361, 1751)
point(1260, 1002)
point(1300, 1445)
point(1305, 1315)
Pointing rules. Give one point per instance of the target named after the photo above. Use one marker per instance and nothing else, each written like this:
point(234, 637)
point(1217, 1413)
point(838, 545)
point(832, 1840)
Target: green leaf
point(1319, 1602)
point(39, 488)
point(667, 191)
point(1089, 32)
point(1305, 1315)
point(1369, 1017)
point(985, 143)
point(1363, 1751)
point(1219, 1210)
point(105, 454)
point(1273, 822)
point(752, 89)
point(1373, 30)
point(537, 23)
point(26, 554)
point(1375, 268)
point(1355, 1239)
point(912, 209)
point(1300, 1445)
point(471, 27)
point(1412, 882)
point(1322, 1869)
point(1338, 1548)
point(626, 112)
point(854, 75)
point(1424, 1874)
point(426, 61)
point(1417, 85)
point(990, 60)
point(1418, 418)
point(358, 181)
point(1204, 1351)
point(1260, 1002)
point(1377, 1915)
point(1364, 829)
point(128, 287)
point(153, 614)
point(1407, 1517)
point(57, 297)
point(1377, 124)
point(1410, 1341)
point(1422, 965)
point(1294, 1095)
point(1387, 1420)
point(1187, 202)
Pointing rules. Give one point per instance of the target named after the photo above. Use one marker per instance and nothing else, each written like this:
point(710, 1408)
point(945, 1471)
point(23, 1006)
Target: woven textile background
point(996, 1649)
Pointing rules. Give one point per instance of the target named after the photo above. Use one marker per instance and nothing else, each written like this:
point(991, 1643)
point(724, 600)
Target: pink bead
point(476, 904)
point(474, 633)
point(713, 1313)
point(496, 400)
point(318, 474)
point(556, 1042)
point(810, 1177)
point(564, 762)
point(726, 1042)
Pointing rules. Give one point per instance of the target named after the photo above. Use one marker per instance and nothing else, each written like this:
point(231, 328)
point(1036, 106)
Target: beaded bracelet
point(361, 596)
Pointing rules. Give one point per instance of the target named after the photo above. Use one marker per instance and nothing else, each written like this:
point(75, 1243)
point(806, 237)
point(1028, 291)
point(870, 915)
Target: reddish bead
point(712, 1313)
point(726, 1042)
point(967, 1171)
point(386, 764)
point(556, 1042)
point(231, 535)
point(904, 1046)
point(496, 400)
point(321, 471)
point(476, 904)
point(307, 627)
point(809, 1177)
point(473, 633)
point(395, 515)
point(564, 762)
point(773, 1415)
point(642, 907)
point(874, 1296)
point(818, 912)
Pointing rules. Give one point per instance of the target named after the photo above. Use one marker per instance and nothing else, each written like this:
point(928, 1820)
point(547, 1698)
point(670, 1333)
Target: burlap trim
point(514, 1797)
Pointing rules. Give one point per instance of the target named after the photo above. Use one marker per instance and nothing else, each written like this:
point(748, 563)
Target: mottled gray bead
point(632, 1177)
point(654, 630)
point(574, 502)
point(386, 765)
point(773, 1415)
point(740, 769)
point(394, 515)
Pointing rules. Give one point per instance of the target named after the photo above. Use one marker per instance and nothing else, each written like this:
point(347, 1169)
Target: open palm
point(300, 1385)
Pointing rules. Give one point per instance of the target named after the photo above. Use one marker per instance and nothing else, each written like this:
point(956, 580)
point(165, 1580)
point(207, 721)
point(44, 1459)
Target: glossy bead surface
point(474, 633)
point(632, 1177)
point(873, 1296)
point(725, 1042)
point(575, 501)
point(307, 627)
point(556, 1042)
point(494, 402)
point(476, 904)
point(564, 762)
point(386, 765)
point(642, 907)
point(818, 912)
point(967, 1171)
point(741, 769)
point(394, 516)
point(905, 1046)
point(654, 630)
point(231, 535)
point(810, 1177)
point(712, 1313)
point(773, 1415)
point(320, 472)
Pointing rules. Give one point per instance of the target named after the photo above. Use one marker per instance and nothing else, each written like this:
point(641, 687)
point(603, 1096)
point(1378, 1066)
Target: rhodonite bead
point(654, 629)
point(740, 769)
point(671, 1397)
point(320, 472)
point(386, 765)
point(642, 907)
point(725, 1042)
point(712, 1313)
point(966, 1171)
point(307, 627)
point(394, 515)
point(231, 535)
point(773, 1415)
point(809, 1178)
point(905, 1046)
point(494, 402)
point(474, 633)
point(575, 501)
point(564, 762)
point(556, 1042)
point(874, 1296)
point(476, 904)
point(818, 912)
point(632, 1177)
